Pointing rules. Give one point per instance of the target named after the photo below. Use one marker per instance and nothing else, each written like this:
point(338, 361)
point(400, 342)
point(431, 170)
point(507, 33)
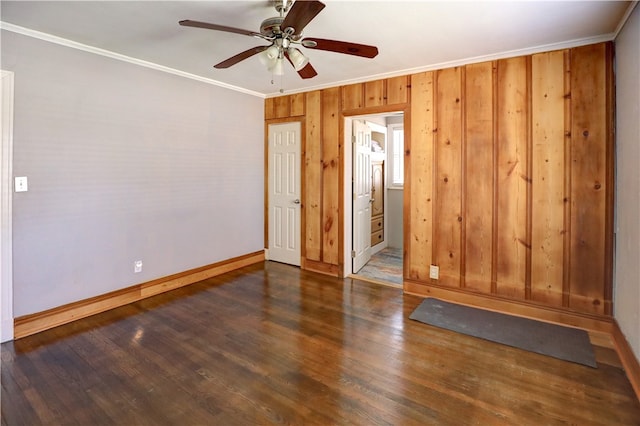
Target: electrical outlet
point(434, 272)
point(137, 266)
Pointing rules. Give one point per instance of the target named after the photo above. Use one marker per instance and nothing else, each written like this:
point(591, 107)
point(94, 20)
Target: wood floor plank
point(271, 344)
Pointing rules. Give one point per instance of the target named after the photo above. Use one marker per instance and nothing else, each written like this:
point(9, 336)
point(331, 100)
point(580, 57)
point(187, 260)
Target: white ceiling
point(411, 36)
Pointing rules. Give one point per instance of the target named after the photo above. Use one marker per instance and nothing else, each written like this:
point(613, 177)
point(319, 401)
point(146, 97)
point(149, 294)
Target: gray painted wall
point(125, 163)
point(394, 217)
point(627, 250)
point(395, 206)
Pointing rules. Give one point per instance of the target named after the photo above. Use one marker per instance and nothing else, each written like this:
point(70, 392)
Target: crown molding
point(431, 67)
point(117, 56)
point(460, 62)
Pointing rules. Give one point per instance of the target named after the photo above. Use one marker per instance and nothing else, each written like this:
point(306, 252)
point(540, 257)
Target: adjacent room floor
point(384, 267)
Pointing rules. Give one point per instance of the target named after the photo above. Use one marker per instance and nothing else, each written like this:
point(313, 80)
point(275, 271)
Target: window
point(396, 132)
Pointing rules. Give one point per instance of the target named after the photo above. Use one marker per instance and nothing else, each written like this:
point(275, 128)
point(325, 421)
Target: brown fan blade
point(206, 25)
point(307, 72)
point(240, 57)
point(342, 47)
point(301, 13)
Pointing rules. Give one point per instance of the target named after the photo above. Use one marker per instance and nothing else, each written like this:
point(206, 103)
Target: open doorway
point(374, 174)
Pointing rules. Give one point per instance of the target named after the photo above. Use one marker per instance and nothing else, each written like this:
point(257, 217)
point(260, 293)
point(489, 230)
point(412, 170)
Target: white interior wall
point(125, 163)
point(627, 248)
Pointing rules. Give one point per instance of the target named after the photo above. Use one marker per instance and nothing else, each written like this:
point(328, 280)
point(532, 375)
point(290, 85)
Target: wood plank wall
point(508, 175)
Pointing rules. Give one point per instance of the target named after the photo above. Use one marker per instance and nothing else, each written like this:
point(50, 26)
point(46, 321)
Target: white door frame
point(6, 192)
point(347, 200)
point(285, 207)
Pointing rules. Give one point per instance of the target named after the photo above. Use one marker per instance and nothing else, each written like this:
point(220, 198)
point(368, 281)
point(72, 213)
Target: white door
point(284, 193)
point(361, 195)
point(6, 276)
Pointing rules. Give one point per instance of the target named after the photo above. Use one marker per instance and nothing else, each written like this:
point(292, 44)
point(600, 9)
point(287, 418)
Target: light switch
point(21, 184)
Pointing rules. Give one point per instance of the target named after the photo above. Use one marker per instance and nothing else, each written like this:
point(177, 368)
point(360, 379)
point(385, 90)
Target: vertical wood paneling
point(589, 160)
point(512, 245)
point(418, 199)
point(479, 176)
point(398, 90)
point(374, 93)
point(548, 177)
point(448, 162)
point(313, 177)
point(353, 96)
point(269, 108)
point(282, 106)
point(296, 104)
point(331, 175)
point(609, 214)
point(508, 175)
point(567, 180)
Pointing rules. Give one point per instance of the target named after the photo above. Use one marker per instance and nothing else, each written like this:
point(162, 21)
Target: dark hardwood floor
point(271, 344)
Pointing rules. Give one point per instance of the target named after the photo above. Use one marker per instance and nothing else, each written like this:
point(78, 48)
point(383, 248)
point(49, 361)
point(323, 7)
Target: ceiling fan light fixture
point(272, 52)
point(269, 63)
point(278, 67)
point(298, 59)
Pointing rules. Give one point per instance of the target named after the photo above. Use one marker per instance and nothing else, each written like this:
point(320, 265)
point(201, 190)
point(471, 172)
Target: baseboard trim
point(34, 323)
point(630, 363)
point(320, 267)
point(589, 322)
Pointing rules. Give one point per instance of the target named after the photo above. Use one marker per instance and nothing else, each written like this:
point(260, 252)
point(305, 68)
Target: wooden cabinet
point(377, 204)
point(377, 230)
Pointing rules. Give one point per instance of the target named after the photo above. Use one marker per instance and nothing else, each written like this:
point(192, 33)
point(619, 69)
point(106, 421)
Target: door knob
point(296, 201)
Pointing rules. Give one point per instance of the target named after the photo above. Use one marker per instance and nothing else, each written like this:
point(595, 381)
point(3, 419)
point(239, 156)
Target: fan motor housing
point(271, 26)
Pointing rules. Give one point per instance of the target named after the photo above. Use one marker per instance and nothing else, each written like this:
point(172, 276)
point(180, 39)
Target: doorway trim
point(347, 207)
point(6, 239)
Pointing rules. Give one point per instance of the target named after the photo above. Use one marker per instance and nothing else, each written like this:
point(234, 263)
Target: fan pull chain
point(273, 82)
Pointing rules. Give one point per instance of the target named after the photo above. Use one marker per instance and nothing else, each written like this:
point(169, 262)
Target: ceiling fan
point(284, 32)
